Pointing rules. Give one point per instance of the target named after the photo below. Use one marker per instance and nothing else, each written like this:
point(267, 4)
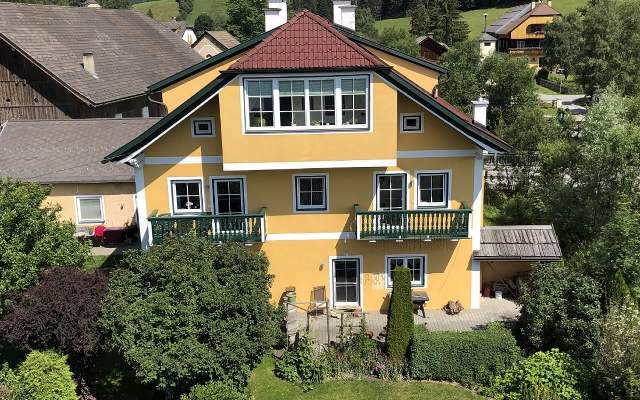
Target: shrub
point(61, 312)
point(41, 376)
point(32, 237)
point(550, 374)
point(616, 365)
point(301, 364)
point(188, 312)
point(560, 308)
point(470, 358)
point(215, 391)
point(400, 319)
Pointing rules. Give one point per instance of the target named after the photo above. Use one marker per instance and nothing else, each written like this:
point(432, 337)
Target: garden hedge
point(400, 317)
point(469, 358)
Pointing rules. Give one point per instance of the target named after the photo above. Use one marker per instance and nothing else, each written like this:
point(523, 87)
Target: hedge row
point(470, 358)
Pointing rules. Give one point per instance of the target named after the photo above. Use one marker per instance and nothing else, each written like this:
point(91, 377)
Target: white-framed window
point(229, 195)
point(202, 127)
point(346, 282)
point(433, 189)
point(311, 192)
point(311, 102)
point(391, 191)
point(411, 123)
point(90, 209)
point(417, 265)
point(186, 196)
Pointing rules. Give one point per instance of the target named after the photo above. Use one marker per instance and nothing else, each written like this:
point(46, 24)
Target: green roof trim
point(468, 128)
point(209, 62)
point(371, 43)
point(174, 116)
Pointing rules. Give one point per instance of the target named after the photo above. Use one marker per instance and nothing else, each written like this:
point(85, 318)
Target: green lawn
point(544, 90)
point(475, 18)
point(163, 10)
point(95, 262)
point(265, 386)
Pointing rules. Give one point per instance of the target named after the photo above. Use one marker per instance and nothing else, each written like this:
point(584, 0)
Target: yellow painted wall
point(520, 32)
point(119, 205)
point(424, 77)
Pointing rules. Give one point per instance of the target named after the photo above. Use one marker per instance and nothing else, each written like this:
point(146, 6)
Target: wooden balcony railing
point(412, 224)
point(245, 228)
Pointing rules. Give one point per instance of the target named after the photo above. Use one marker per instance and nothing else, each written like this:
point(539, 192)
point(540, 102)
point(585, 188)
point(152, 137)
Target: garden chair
point(318, 299)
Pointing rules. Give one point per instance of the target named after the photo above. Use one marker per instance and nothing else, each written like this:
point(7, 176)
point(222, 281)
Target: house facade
point(211, 43)
point(520, 32)
point(326, 151)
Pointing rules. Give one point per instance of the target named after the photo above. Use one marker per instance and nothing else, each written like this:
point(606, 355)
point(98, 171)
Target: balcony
point(412, 224)
point(243, 228)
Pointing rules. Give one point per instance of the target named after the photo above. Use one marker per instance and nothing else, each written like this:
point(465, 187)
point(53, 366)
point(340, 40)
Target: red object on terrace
point(99, 231)
point(307, 41)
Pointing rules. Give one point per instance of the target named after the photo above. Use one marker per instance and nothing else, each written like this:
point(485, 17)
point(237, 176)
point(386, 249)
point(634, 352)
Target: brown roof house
point(430, 48)
point(79, 62)
point(66, 154)
point(211, 43)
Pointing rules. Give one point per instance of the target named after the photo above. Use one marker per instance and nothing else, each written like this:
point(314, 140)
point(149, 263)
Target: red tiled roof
point(306, 41)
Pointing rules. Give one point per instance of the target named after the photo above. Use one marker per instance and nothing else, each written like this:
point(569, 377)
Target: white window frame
point(447, 195)
point(332, 300)
point(307, 128)
point(79, 218)
point(196, 120)
point(214, 197)
point(414, 284)
point(405, 201)
point(297, 207)
point(172, 199)
point(420, 117)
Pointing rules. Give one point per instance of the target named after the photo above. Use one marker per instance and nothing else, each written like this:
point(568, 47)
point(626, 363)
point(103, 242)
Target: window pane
point(315, 87)
point(316, 117)
point(305, 198)
point(359, 101)
point(347, 117)
point(298, 118)
point(347, 102)
point(234, 187)
point(285, 87)
point(253, 88)
point(317, 184)
point(265, 88)
point(297, 103)
point(267, 119)
point(396, 182)
point(254, 104)
point(317, 198)
point(193, 188)
point(347, 85)
point(329, 103)
point(285, 119)
point(90, 209)
point(222, 188)
point(327, 86)
point(305, 184)
point(360, 86)
point(194, 203)
point(437, 181)
point(181, 203)
point(329, 118)
point(437, 195)
point(285, 103)
point(236, 205)
point(360, 117)
point(315, 103)
point(180, 188)
point(267, 104)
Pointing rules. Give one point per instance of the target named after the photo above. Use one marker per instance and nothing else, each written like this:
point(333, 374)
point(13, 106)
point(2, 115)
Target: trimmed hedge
point(400, 318)
point(469, 358)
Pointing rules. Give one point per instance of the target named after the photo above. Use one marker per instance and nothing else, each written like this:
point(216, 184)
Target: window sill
point(309, 130)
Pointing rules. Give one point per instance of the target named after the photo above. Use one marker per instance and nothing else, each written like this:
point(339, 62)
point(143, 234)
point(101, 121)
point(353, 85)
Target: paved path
point(568, 98)
point(116, 250)
point(490, 310)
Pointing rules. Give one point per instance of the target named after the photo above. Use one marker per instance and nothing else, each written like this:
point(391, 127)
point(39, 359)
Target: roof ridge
point(75, 120)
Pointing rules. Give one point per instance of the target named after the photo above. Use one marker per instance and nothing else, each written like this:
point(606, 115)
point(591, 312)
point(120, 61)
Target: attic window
point(309, 103)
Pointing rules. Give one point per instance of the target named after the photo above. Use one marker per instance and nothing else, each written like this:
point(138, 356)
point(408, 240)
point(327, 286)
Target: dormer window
point(306, 104)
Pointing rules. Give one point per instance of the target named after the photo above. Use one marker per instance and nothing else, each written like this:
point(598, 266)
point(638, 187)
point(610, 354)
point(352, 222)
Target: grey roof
point(519, 243)
point(485, 37)
point(131, 50)
point(516, 15)
point(71, 150)
point(224, 38)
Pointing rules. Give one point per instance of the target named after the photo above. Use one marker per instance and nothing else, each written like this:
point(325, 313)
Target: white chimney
point(344, 14)
point(533, 5)
point(275, 14)
point(480, 110)
point(88, 63)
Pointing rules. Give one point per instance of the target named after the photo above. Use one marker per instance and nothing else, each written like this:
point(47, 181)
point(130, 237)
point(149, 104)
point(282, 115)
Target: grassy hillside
point(475, 18)
point(164, 10)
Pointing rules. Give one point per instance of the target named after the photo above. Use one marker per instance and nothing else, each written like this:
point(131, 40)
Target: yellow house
point(67, 154)
point(328, 152)
point(520, 31)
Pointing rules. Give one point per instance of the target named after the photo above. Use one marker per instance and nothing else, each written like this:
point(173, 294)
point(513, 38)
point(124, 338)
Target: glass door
point(346, 282)
point(228, 199)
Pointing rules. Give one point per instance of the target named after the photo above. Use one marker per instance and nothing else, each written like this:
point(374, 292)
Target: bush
point(616, 365)
point(301, 364)
point(61, 312)
point(544, 375)
point(41, 376)
point(470, 358)
point(543, 73)
point(32, 237)
point(400, 319)
point(215, 391)
point(560, 309)
point(188, 312)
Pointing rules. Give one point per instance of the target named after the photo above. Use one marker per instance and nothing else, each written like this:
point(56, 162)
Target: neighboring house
point(181, 29)
point(92, 4)
point(328, 152)
point(67, 154)
point(520, 31)
point(487, 44)
point(211, 43)
point(430, 48)
point(77, 62)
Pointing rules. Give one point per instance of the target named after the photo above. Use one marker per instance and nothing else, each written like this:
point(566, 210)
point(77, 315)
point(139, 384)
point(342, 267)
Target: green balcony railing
point(245, 228)
point(412, 224)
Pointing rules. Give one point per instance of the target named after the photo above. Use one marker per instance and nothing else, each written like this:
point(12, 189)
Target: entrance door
point(346, 282)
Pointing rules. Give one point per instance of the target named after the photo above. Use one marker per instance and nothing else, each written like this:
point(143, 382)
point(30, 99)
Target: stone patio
point(436, 320)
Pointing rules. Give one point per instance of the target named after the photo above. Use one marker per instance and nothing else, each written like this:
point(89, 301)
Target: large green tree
point(445, 22)
point(463, 83)
point(399, 39)
point(203, 24)
point(188, 312)
point(246, 18)
point(32, 237)
point(365, 23)
point(420, 22)
point(562, 43)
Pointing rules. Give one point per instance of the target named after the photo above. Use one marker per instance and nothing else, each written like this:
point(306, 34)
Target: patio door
point(228, 199)
point(391, 195)
point(346, 282)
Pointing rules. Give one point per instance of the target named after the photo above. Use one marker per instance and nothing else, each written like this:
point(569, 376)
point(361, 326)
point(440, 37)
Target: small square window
point(202, 127)
point(90, 209)
point(311, 193)
point(187, 196)
point(411, 123)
